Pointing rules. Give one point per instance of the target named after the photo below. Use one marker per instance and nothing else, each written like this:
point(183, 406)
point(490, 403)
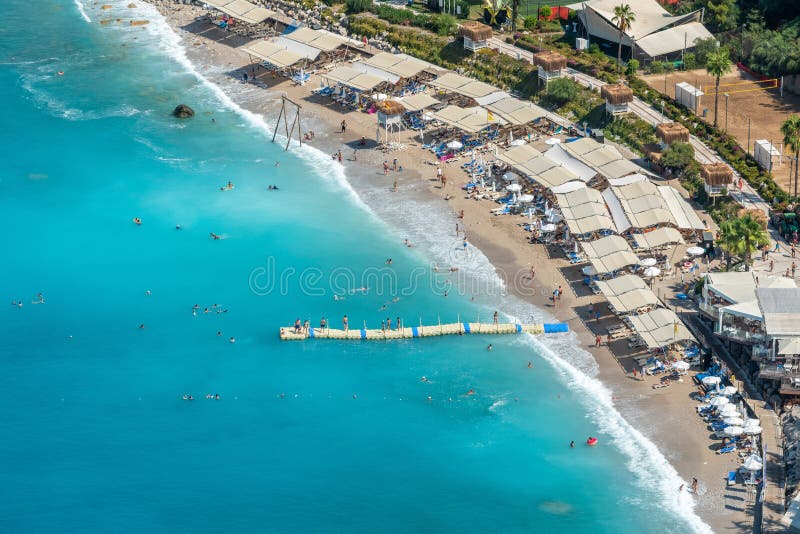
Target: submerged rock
point(182, 111)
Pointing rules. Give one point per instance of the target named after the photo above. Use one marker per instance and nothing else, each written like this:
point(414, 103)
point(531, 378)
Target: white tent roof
point(568, 187)
point(572, 164)
point(365, 68)
point(603, 159)
point(673, 39)
point(401, 66)
point(418, 101)
point(463, 85)
point(470, 120)
point(272, 53)
point(637, 205)
point(609, 254)
point(516, 111)
point(627, 293)
point(242, 10)
point(625, 180)
point(584, 211)
point(683, 214)
point(660, 327)
point(308, 52)
point(319, 39)
point(658, 238)
point(352, 78)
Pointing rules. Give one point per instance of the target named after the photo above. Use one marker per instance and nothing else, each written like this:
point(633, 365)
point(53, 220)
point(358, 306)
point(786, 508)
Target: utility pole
point(748, 135)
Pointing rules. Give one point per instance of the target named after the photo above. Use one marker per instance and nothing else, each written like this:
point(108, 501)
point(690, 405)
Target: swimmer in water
point(572, 444)
point(177, 226)
point(232, 340)
point(423, 379)
point(471, 392)
point(530, 365)
point(147, 293)
point(489, 348)
point(141, 326)
point(214, 236)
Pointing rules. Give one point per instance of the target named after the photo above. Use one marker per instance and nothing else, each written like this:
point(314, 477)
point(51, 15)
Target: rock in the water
point(182, 111)
point(131, 6)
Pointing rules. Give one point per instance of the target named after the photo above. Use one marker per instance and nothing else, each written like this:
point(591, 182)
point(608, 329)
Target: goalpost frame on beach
point(284, 113)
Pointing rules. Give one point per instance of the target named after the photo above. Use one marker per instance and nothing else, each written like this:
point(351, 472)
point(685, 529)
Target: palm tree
point(718, 64)
point(742, 237)
point(623, 16)
point(791, 138)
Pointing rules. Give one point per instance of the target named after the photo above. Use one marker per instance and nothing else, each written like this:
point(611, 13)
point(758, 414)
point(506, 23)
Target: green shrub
point(562, 90)
point(656, 67)
point(529, 23)
point(633, 66)
point(442, 24)
point(545, 12)
point(358, 6)
point(689, 61)
point(463, 6)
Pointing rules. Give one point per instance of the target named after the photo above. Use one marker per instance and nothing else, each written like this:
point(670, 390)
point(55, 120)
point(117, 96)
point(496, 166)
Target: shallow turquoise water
point(307, 437)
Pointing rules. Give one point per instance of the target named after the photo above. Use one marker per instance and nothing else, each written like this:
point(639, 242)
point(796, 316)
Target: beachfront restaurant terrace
point(660, 328)
point(584, 211)
point(241, 10)
point(609, 254)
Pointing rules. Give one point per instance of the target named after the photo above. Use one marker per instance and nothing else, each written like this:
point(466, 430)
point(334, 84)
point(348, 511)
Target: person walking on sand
point(344, 126)
point(694, 485)
point(533, 272)
point(395, 186)
point(634, 372)
point(771, 265)
point(394, 164)
point(444, 181)
point(597, 340)
point(385, 167)
point(439, 173)
point(355, 154)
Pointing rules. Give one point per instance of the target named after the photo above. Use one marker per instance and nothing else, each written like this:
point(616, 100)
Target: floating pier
point(289, 333)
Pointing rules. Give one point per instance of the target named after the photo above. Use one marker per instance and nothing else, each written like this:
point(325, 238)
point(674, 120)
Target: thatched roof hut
point(390, 107)
point(475, 30)
point(617, 93)
point(653, 151)
point(550, 61)
point(716, 174)
point(670, 132)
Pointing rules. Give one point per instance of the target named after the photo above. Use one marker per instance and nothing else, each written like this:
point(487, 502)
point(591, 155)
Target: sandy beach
point(664, 416)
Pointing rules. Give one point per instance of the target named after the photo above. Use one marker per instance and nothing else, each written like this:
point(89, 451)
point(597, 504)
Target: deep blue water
point(307, 437)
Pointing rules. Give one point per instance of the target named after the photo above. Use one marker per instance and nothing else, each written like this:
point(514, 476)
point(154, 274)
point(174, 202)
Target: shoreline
point(683, 440)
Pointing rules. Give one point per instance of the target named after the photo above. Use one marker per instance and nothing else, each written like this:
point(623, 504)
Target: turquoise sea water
point(307, 437)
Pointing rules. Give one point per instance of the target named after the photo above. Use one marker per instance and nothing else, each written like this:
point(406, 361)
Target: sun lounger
point(731, 478)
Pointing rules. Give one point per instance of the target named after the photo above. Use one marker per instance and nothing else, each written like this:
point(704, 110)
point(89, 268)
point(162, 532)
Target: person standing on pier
point(495, 317)
point(344, 323)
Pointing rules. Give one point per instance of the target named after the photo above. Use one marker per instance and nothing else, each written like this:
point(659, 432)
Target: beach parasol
point(589, 270)
point(753, 463)
point(719, 401)
point(517, 142)
point(711, 380)
point(548, 228)
point(455, 145)
point(681, 365)
point(752, 430)
point(696, 251)
point(552, 141)
point(525, 198)
point(652, 272)
point(729, 410)
point(733, 421)
point(427, 117)
point(508, 177)
point(648, 262)
point(728, 390)
point(733, 431)
point(752, 422)
point(514, 188)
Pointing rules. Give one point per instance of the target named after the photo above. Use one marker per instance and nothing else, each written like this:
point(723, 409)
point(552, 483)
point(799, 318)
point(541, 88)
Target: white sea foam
point(170, 44)
point(645, 461)
point(82, 10)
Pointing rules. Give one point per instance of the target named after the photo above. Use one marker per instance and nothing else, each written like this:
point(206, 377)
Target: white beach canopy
point(681, 365)
point(733, 431)
point(514, 188)
point(752, 430)
point(753, 463)
point(660, 328)
point(648, 262)
point(729, 390)
point(733, 421)
point(729, 410)
point(719, 401)
point(652, 272)
point(695, 251)
point(242, 10)
point(658, 238)
point(711, 380)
